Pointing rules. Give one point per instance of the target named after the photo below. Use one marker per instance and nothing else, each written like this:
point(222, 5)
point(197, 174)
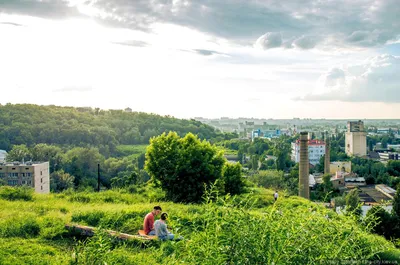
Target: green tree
point(254, 162)
point(125, 180)
point(51, 153)
point(82, 163)
point(183, 165)
point(353, 202)
point(232, 178)
point(328, 186)
point(268, 179)
point(383, 222)
point(393, 168)
point(19, 153)
point(396, 202)
point(59, 181)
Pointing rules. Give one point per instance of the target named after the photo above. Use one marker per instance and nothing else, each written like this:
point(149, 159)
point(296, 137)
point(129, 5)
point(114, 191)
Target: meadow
point(249, 229)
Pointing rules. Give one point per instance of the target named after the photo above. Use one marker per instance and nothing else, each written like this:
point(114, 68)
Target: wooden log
point(90, 231)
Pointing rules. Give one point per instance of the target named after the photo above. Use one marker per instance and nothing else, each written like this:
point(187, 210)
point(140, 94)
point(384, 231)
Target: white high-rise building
point(316, 149)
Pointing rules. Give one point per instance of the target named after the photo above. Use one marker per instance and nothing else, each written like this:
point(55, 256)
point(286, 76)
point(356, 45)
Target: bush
point(22, 226)
point(232, 178)
point(52, 227)
point(16, 193)
point(79, 198)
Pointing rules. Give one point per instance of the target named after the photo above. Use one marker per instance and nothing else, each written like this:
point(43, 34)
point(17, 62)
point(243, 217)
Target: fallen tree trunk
point(90, 231)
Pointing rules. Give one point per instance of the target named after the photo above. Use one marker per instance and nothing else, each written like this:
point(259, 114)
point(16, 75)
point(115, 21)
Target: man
point(276, 195)
point(148, 224)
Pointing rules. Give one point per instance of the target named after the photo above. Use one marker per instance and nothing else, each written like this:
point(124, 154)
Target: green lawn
point(131, 150)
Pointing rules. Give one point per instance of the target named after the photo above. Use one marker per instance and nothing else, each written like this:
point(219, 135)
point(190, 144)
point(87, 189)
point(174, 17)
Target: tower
point(327, 160)
point(304, 189)
point(356, 139)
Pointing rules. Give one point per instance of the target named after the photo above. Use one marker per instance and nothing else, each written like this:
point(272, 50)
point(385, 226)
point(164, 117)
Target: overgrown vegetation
point(221, 230)
point(17, 193)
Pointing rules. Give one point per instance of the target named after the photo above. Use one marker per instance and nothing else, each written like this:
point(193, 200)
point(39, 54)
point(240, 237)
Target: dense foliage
point(262, 153)
point(31, 124)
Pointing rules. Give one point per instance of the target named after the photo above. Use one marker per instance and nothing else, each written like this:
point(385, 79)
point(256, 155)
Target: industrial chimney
point(304, 189)
point(327, 160)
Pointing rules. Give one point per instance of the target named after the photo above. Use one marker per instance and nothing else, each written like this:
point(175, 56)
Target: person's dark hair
point(157, 208)
point(164, 216)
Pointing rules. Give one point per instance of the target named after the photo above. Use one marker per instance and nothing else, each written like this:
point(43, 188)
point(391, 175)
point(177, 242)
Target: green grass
point(228, 151)
point(249, 229)
point(131, 150)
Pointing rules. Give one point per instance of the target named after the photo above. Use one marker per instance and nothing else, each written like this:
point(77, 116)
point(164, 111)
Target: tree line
point(105, 129)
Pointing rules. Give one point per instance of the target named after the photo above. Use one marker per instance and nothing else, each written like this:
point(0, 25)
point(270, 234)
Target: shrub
point(232, 178)
point(51, 227)
point(79, 198)
point(22, 226)
point(16, 193)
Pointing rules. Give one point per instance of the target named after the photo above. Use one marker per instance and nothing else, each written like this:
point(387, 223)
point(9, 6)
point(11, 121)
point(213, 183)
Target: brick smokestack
point(304, 189)
point(327, 161)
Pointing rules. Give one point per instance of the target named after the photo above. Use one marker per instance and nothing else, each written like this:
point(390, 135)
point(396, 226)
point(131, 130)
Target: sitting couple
point(159, 227)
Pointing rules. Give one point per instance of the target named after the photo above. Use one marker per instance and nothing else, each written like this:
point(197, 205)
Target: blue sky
point(187, 58)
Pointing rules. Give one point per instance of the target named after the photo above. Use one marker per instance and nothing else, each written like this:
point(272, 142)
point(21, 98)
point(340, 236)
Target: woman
point(161, 228)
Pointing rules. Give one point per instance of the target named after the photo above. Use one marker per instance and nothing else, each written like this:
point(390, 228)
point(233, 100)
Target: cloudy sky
point(208, 58)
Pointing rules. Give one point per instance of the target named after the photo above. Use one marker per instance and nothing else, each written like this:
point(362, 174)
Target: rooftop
point(371, 194)
point(313, 142)
point(16, 163)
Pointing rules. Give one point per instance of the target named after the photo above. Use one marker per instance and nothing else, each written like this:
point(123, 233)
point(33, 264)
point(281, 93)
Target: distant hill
point(31, 124)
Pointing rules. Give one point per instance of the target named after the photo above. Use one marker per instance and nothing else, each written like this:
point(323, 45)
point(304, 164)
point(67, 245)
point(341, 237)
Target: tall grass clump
point(20, 226)
point(16, 193)
point(306, 234)
point(126, 221)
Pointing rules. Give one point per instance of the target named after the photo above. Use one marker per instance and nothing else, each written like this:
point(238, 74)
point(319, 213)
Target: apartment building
point(316, 149)
point(32, 174)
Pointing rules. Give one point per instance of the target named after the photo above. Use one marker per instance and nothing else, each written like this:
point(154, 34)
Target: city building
point(340, 166)
point(3, 155)
point(389, 156)
point(268, 134)
point(32, 174)
point(386, 190)
point(356, 139)
point(396, 147)
point(316, 149)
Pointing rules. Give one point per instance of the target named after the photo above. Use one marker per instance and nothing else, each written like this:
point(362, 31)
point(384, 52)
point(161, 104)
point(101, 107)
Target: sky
point(205, 58)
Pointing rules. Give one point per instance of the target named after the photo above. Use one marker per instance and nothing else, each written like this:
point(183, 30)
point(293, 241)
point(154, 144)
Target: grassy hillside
point(220, 231)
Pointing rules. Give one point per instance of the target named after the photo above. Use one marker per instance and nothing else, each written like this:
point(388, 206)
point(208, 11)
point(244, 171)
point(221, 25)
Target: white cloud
point(269, 40)
point(376, 80)
point(305, 42)
point(340, 23)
